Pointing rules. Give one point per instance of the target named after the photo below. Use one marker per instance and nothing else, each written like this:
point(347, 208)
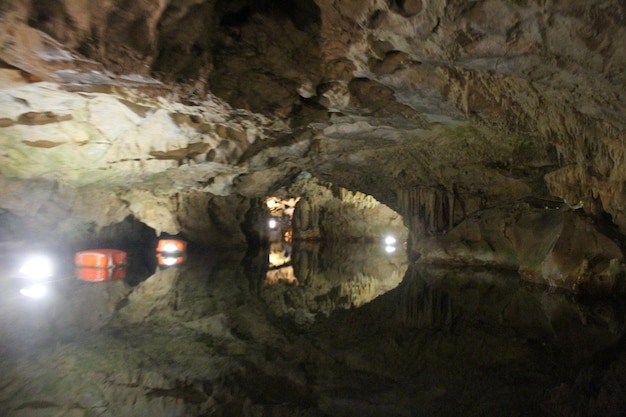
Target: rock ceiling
point(475, 120)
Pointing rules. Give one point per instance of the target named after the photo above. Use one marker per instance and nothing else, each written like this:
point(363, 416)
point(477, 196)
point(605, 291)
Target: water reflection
point(280, 238)
point(410, 348)
point(171, 252)
point(525, 350)
point(453, 298)
point(50, 296)
point(330, 277)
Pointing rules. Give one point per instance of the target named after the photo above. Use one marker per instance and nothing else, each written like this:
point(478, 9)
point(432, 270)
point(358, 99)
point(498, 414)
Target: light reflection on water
point(334, 276)
point(422, 333)
point(314, 279)
point(322, 278)
point(471, 341)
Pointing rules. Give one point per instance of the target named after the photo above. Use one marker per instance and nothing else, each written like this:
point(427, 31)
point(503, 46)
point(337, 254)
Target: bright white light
point(36, 267)
point(271, 202)
point(170, 260)
point(34, 291)
point(272, 224)
point(170, 247)
point(390, 240)
point(390, 249)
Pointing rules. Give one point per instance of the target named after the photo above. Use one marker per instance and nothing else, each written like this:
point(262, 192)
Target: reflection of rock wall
point(158, 356)
point(197, 342)
point(456, 298)
point(68, 309)
point(331, 277)
point(425, 307)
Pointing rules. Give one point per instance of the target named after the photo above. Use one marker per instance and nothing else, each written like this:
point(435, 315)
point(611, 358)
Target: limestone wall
point(331, 213)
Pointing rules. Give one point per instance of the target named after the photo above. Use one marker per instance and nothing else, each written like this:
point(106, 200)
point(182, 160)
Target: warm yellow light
point(270, 203)
point(278, 258)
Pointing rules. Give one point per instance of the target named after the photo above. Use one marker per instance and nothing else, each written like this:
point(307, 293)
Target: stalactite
point(560, 155)
point(428, 210)
point(451, 201)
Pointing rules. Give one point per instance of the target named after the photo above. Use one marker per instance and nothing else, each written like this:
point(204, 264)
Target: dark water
point(340, 330)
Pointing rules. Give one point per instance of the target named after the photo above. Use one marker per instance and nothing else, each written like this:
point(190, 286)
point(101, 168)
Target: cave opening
point(323, 248)
point(280, 240)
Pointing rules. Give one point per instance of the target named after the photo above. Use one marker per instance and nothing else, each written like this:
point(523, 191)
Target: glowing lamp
point(390, 240)
point(36, 267)
point(172, 246)
point(272, 224)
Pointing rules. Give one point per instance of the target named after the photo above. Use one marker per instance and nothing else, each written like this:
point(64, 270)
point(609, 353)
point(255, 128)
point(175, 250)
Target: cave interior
point(390, 207)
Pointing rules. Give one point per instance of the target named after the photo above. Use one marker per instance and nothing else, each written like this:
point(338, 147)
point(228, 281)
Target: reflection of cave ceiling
point(440, 109)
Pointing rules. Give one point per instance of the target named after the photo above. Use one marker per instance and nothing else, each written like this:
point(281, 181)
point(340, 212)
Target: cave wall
point(44, 212)
point(329, 213)
point(438, 110)
point(559, 247)
point(491, 63)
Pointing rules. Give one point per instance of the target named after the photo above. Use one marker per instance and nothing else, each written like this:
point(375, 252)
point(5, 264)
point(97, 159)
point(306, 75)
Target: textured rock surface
point(332, 213)
point(554, 246)
point(495, 129)
point(439, 110)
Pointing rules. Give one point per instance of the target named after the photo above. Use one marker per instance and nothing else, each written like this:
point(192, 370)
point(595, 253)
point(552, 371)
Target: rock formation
point(169, 113)
point(484, 133)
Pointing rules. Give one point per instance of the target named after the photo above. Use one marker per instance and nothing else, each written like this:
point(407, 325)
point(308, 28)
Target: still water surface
point(336, 330)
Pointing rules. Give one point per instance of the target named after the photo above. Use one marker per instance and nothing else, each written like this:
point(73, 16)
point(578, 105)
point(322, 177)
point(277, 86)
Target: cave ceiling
point(483, 102)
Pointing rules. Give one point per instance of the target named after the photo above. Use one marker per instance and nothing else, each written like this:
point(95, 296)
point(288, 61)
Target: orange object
point(100, 274)
point(169, 260)
point(100, 258)
point(171, 246)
